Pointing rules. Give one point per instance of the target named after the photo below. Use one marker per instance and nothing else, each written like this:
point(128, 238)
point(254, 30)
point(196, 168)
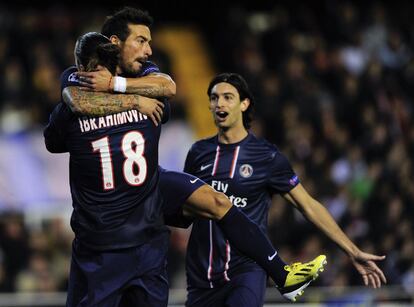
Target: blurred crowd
point(34, 259)
point(35, 47)
point(334, 89)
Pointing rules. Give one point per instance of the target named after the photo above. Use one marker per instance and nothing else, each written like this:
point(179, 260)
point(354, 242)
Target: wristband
point(120, 84)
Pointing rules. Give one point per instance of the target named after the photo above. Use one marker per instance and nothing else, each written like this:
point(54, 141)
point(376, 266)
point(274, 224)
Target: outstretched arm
point(316, 213)
point(100, 104)
point(154, 85)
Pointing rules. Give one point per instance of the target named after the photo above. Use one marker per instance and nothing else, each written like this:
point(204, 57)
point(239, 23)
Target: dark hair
point(93, 49)
point(117, 24)
point(244, 92)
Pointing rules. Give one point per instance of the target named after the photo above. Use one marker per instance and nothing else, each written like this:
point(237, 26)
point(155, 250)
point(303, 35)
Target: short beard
point(127, 70)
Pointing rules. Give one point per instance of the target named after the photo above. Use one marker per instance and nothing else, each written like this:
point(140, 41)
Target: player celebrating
point(200, 199)
point(121, 241)
point(249, 170)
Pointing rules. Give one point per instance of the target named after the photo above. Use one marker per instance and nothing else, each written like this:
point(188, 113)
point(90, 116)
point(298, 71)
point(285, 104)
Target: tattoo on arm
point(97, 103)
point(156, 85)
point(149, 91)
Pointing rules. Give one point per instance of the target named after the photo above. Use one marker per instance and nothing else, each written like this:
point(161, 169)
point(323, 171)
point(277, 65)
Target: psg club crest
point(73, 77)
point(246, 170)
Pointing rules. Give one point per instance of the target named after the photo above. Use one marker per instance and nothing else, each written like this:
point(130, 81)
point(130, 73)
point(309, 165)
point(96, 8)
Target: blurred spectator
point(14, 247)
point(37, 277)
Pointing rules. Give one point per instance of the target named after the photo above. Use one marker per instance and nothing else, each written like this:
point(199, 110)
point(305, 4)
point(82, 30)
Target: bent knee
point(222, 204)
point(206, 202)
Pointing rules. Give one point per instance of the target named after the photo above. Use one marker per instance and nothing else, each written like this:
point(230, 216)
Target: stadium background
point(334, 87)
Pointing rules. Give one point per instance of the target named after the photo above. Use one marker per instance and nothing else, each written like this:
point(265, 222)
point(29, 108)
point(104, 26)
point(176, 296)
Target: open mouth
point(221, 115)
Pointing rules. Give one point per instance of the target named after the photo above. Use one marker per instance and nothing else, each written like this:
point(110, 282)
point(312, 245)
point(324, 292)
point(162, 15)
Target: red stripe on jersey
point(226, 266)
point(216, 159)
point(210, 263)
point(234, 162)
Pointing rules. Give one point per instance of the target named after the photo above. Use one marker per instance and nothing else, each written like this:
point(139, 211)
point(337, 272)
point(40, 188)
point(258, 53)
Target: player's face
point(226, 107)
point(136, 49)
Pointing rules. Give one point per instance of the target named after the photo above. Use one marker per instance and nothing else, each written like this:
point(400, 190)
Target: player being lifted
point(121, 241)
point(200, 198)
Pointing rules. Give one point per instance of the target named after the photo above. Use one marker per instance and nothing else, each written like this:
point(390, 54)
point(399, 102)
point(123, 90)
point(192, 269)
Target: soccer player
point(121, 241)
point(249, 170)
point(199, 198)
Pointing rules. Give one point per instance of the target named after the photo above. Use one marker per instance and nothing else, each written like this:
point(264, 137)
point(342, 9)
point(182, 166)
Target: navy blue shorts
point(176, 188)
point(134, 276)
point(244, 290)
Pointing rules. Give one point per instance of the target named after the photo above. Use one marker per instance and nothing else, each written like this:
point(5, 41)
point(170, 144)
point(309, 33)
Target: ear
point(115, 40)
point(244, 104)
point(210, 107)
point(79, 66)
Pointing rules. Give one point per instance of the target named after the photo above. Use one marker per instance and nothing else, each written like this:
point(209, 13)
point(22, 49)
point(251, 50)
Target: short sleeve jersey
point(249, 173)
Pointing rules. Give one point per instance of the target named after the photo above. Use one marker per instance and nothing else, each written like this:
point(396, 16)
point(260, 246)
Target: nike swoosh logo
point(203, 167)
point(270, 258)
point(194, 180)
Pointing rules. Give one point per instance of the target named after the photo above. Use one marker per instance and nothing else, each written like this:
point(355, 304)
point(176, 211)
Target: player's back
point(113, 177)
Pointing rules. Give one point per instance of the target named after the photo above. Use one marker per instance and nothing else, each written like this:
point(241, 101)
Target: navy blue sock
point(250, 240)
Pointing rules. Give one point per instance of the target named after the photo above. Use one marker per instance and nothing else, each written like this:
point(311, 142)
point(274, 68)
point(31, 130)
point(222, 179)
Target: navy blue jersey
point(249, 173)
point(113, 173)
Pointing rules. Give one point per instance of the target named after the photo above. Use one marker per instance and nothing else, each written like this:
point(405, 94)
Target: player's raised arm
point(153, 85)
point(99, 104)
point(316, 213)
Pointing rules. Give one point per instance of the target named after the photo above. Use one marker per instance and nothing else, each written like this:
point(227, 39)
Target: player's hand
point(153, 108)
point(96, 81)
point(371, 274)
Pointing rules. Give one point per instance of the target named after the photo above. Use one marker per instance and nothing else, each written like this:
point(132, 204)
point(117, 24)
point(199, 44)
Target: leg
point(206, 297)
point(153, 292)
point(247, 237)
point(207, 203)
point(186, 196)
point(241, 231)
point(78, 285)
point(107, 274)
point(244, 290)
point(150, 286)
point(98, 278)
point(201, 200)
point(248, 290)
point(176, 188)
